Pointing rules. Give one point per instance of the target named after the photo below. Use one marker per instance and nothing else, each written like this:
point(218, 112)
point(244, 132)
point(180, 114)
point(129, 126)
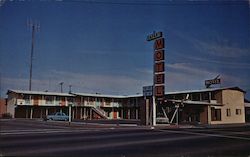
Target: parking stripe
point(206, 134)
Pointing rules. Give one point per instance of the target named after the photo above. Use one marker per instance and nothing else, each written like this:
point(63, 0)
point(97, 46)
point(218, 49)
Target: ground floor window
point(228, 112)
point(216, 114)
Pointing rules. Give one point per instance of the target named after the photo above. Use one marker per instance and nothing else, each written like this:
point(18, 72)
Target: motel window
point(27, 99)
point(228, 112)
point(170, 97)
point(48, 99)
point(58, 98)
point(98, 99)
point(179, 96)
point(205, 96)
point(238, 111)
point(216, 114)
point(196, 96)
point(70, 99)
point(213, 96)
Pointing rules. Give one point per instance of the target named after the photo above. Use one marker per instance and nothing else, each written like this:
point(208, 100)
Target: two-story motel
point(206, 106)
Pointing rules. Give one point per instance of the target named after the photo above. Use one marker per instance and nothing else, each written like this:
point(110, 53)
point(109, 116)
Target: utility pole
point(35, 28)
point(70, 90)
point(61, 84)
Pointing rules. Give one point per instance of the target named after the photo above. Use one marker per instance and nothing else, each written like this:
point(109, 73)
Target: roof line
point(119, 96)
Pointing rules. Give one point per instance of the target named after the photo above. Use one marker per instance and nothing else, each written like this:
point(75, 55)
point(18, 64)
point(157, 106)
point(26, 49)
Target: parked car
point(57, 116)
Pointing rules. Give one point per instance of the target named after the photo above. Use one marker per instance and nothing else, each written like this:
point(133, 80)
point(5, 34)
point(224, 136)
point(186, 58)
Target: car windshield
point(60, 114)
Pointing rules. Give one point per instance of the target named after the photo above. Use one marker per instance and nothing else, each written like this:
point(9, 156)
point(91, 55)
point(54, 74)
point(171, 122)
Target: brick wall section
point(3, 106)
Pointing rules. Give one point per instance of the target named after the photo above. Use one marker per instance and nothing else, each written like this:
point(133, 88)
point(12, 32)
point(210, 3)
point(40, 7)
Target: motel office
point(207, 106)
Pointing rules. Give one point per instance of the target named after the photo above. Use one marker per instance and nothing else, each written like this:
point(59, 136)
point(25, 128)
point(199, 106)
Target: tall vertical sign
point(159, 70)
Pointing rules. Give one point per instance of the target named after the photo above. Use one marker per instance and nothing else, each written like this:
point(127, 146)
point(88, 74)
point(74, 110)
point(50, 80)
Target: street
point(38, 138)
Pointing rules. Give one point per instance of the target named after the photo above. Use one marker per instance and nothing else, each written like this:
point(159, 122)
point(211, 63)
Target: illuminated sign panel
point(159, 67)
point(159, 79)
point(210, 82)
point(159, 55)
point(159, 44)
point(154, 36)
point(159, 91)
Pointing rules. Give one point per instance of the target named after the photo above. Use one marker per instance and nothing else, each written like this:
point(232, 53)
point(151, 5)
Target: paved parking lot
point(38, 138)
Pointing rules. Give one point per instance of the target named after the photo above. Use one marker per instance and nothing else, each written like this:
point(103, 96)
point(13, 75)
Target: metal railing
point(100, 111)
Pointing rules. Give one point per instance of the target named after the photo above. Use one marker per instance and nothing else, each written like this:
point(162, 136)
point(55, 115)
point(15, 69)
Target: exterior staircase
point(100, 112)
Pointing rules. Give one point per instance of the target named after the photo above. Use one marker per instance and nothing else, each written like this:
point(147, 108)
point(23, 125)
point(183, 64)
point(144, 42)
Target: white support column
point(31, 113)
point(128, 113)
point(209, 116)
point(136, 113)
point(154, 112)
point(81, 113)
point(69, 113)
point(54, 100)
point(147, 114)
point(84, 113)
point(46, 111)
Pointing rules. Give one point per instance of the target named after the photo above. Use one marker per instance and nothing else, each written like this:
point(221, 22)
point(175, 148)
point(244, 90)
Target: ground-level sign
point(147, 91)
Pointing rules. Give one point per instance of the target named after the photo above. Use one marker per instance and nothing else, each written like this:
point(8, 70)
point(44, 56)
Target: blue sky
point(100, 46)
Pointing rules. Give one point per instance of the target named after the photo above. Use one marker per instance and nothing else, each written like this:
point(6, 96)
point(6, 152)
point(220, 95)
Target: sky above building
point(100, 46)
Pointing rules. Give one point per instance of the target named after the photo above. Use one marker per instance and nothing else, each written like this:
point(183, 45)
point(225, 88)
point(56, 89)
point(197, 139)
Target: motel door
point(36, 99)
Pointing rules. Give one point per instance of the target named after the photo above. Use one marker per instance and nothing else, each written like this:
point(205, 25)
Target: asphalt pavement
point(38, 138)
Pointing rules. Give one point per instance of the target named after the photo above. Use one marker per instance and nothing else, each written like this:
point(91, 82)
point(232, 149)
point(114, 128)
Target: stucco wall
point(232, 99)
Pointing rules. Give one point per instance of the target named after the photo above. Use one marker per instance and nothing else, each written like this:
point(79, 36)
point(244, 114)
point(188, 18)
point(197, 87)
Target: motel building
point(206, 106)
point(34, 104)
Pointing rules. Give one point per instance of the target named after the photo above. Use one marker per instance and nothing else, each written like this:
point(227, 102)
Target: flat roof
point(119, 96)
point(107, 96)
point(205, 90)
point(40, 93)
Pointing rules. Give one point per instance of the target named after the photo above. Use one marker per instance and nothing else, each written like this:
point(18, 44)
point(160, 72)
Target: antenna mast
point(35, 26)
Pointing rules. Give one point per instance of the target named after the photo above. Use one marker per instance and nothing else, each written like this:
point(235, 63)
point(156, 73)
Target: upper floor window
point(213, 96)
point(58, 98)
point(196, 96)
point(27, 99)
point(48, 99)
point(205, 96)
point(238, 111)
point(71, 100)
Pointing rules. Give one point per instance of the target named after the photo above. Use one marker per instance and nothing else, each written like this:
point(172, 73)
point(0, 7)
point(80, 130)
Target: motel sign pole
point(159, 71)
